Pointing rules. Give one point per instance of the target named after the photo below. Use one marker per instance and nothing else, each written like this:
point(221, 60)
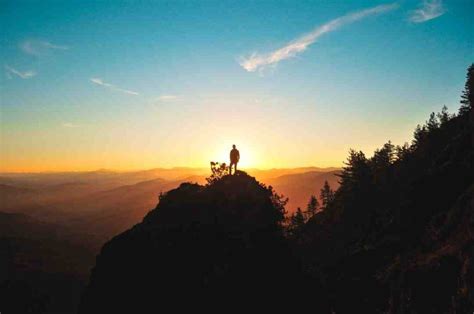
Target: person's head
point(233, 146)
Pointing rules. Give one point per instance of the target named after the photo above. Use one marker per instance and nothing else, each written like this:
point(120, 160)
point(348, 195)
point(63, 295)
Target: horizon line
point(156, 168)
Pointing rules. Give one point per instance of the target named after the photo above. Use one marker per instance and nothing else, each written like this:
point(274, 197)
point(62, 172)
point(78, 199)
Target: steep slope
point(210, 247)
point(446, 257)
point(399, 235)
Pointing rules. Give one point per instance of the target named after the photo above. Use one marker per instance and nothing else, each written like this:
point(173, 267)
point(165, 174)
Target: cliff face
point(217, 246)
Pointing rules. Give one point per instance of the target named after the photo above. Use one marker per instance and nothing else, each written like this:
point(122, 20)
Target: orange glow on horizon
point(251, 157)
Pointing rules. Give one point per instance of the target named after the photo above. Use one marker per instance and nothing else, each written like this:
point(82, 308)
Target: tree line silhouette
point(401, 224)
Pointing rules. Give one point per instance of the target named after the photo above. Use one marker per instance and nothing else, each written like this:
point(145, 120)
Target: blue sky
point(151, 83)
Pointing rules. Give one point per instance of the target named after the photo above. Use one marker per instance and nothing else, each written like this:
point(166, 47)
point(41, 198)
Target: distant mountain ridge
point(110, 177)
point(93, 198)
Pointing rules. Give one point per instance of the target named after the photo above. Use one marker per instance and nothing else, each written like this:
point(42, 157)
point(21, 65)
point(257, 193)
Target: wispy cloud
point(258, 61)
point(24, 75)
point(428, 10)
point(39, 47)
point(70, 125)
point(101, 82)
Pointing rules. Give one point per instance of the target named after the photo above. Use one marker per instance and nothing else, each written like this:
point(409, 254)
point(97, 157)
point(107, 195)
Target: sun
point(248, 155)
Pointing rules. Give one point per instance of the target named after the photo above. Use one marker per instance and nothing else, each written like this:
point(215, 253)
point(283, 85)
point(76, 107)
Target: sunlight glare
point(248, 154)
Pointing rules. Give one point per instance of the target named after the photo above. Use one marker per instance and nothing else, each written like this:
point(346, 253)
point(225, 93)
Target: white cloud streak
point(259, 61)
point(24, 75)
point(101, 82)
point(428, 10)
point(39, 47)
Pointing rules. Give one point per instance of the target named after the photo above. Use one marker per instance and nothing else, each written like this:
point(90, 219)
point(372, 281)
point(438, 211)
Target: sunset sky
point(143, 84)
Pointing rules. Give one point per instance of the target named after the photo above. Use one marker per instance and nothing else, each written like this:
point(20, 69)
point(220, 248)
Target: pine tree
point(444, 116)
point(419, 135)
point(312, 207)
point(356, 170)
point(327, 195)
point(297, 220)
point(432, 123)
point(402, 151)
point(467, 100)
point(467, 97)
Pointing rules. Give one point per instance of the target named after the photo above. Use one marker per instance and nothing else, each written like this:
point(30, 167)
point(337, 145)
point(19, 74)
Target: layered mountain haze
point(300, 186)
point(95, 198)
point(53, 224)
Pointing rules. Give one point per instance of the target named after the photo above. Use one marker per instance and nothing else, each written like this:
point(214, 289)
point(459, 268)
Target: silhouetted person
point(234, 159)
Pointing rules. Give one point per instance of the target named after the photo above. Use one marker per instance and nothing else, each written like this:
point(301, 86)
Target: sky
point(126, 85)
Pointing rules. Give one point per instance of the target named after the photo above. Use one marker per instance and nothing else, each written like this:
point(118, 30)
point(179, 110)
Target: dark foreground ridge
point(218, 247)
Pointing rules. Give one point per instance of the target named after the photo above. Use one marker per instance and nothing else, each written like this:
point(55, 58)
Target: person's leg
point(235, 168)
point(230, 168)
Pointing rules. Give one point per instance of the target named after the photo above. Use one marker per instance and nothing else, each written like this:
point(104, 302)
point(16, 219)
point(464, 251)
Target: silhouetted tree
point(312, 207)
point(444, 116)
point(432, 123)
point(467, 101)
point(297, 220)
point(355, 172)
point(380, 163)
point(402, 151)
point(218, 170)
point(419, 135)
point(327, 195)
point(279, 202)
point(467, 96)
